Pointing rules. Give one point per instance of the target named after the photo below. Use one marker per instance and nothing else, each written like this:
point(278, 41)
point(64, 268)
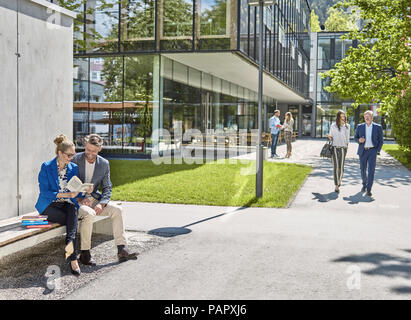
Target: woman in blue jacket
point(55, 200)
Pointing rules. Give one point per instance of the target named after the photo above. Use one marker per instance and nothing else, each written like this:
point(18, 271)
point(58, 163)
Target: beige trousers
point(86, 216)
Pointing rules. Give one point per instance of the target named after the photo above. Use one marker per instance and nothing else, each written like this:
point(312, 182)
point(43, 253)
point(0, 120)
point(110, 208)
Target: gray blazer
point(101, 176)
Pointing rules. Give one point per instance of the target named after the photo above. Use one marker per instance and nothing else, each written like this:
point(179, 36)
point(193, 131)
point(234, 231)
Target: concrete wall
point(36, 96)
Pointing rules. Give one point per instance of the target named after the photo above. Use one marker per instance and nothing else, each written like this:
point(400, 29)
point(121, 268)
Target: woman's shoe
point(337, 189)
point(76, 272)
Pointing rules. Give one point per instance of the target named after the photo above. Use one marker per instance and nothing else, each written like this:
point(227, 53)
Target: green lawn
point(402, 156)
point(206, 184)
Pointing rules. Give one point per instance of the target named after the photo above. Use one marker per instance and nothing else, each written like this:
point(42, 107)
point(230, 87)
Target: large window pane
point(102, 25)
point(177, 24)
point(137, 25)
point(324, 53)
point(138, 103)
point(214, 18)
point(106, 107)
point(80, 97)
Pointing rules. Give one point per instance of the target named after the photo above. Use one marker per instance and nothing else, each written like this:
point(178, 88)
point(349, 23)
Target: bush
point(400, 117)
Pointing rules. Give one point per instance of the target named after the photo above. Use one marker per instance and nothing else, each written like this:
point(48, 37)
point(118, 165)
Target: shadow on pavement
point(387, 173)
point(168, 232)
point(325, 197)
point(386, 265)
point(357, 198)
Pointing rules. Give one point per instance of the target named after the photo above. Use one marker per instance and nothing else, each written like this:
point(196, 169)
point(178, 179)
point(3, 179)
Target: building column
point(157, 96)
point(300, 120)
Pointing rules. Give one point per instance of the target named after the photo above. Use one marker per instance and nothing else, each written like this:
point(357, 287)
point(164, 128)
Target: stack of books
point(39, 221)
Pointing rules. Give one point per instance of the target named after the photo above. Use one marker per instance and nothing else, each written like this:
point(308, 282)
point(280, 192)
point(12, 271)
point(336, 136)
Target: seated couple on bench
point(65, 207)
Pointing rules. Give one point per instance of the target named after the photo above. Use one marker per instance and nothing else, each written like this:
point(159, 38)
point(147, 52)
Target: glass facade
point(124, 87)
point(123, 99)
point(286, 42)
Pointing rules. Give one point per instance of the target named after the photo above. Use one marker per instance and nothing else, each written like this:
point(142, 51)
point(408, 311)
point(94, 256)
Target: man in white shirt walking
point(275, 127)
point(370, 139)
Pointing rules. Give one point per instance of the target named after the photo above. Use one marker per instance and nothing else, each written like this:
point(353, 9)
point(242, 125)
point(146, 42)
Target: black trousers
point(65, 213)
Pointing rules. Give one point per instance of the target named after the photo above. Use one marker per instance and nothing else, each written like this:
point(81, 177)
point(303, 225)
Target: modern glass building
point(141, 65)
point(327, 49)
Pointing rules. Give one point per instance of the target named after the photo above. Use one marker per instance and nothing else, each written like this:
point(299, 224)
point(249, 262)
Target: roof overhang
point(236, 68)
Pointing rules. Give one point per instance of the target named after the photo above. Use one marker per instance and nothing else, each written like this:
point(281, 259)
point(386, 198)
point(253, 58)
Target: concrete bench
point(14, 237)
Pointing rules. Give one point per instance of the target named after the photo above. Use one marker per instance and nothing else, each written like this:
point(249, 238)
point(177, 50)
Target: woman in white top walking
point(340, 135)
point(288, 132)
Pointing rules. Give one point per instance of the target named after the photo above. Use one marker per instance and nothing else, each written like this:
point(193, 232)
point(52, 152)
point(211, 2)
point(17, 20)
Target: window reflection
point(138, 103)
point(214, 17)
point(137, 25)
point(102, 25)
point(80, 97)
point(106, 100)
point(177, 24)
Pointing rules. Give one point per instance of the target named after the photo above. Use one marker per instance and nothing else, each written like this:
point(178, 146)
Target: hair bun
point(59, 139)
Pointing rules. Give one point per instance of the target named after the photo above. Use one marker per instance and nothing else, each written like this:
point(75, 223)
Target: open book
point(75, 185)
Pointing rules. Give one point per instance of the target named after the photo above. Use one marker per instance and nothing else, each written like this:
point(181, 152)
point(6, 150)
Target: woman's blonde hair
point(62, 143)
point(288, 114)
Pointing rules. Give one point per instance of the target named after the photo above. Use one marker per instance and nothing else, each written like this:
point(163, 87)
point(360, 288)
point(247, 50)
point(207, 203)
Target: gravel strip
point(41, 273)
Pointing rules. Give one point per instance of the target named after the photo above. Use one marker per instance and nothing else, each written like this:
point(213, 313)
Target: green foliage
point(214, 183)
point(339, 20)
point(321, 7)
point(377, 71)
point(402, 154)
point(400, 117)
point(314, 22)
point(213, 20)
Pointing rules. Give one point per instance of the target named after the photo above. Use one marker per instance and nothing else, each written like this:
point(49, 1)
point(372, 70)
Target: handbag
point(326, 151)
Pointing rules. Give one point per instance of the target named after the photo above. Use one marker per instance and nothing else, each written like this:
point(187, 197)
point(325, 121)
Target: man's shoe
point(124, 255)
point(86, 259)
point(369, 193)
point(364, 189)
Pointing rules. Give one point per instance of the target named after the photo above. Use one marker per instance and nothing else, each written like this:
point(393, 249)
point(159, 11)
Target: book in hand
point(75, 185)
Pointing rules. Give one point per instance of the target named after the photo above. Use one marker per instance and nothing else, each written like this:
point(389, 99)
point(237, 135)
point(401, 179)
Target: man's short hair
point(370, 112)
point(94, 139)
point(276, 111)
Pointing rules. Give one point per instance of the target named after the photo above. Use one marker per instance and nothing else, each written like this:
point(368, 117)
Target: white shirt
point(289, 126)
point(341, 138)
point(89, 171)
point(274, 121)
point(368, 136)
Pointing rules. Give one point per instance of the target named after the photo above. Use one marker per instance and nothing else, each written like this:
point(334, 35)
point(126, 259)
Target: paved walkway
point(325, 246)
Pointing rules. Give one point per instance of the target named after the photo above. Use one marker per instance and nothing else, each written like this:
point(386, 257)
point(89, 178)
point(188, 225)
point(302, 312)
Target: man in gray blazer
point(96, 170)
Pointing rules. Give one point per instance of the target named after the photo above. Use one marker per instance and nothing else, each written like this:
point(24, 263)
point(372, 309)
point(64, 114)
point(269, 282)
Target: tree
point(314, 22)
point(321, 7)
point(400, 117)
point(338, 20)
point(378, 69)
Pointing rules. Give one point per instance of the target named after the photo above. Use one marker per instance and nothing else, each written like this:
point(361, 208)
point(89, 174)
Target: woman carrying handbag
point(340, 136)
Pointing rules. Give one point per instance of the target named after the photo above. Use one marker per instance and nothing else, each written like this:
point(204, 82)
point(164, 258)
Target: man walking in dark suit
point(96, 170)
point(370, 140)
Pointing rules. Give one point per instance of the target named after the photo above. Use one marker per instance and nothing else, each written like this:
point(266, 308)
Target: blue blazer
point(49, 183)
point(376, 137)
